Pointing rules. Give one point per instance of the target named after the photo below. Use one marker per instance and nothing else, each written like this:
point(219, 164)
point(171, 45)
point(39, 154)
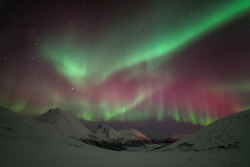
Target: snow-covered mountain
point(107, 133)
point(16, 129)
point(228, 133)
point(66, 124)
point(14, 124)
point(133, 134)
point(126, 137)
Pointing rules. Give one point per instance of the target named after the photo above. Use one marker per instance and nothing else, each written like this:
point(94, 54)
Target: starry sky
point(163, 62)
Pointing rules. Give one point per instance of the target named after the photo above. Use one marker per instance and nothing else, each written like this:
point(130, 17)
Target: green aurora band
point(76, 60)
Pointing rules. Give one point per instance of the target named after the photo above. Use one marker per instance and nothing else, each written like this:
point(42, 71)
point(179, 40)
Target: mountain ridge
point(227, 133)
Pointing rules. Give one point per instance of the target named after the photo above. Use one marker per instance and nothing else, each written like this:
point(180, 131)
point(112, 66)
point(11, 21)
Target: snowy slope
point(228, 133)
point(66, 124)
point(59, 129)
point(14, 124)
point(15, 129)
point(133, 134)
point(107, 133)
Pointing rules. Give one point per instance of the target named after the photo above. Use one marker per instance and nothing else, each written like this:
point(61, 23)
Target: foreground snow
point(30, 155)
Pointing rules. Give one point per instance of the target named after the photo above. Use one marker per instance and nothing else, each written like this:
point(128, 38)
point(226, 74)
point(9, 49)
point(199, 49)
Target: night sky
point(126, 61)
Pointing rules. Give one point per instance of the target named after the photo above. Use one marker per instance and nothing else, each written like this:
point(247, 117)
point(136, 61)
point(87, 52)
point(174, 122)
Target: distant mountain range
point(72, 127)
point(59, 128)
point(107, 133)
point(58, 125)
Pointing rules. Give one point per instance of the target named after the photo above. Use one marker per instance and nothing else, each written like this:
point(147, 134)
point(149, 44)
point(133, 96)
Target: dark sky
point(157, 65)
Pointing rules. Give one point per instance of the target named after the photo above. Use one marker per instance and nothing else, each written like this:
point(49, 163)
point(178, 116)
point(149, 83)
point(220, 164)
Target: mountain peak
point(100, 126)
point(107, 133)
point(52, 116)
point(54, 110)
point(65, 123)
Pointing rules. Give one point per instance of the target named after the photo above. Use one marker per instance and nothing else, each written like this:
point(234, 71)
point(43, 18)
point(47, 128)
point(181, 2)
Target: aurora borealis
point(127, 61)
